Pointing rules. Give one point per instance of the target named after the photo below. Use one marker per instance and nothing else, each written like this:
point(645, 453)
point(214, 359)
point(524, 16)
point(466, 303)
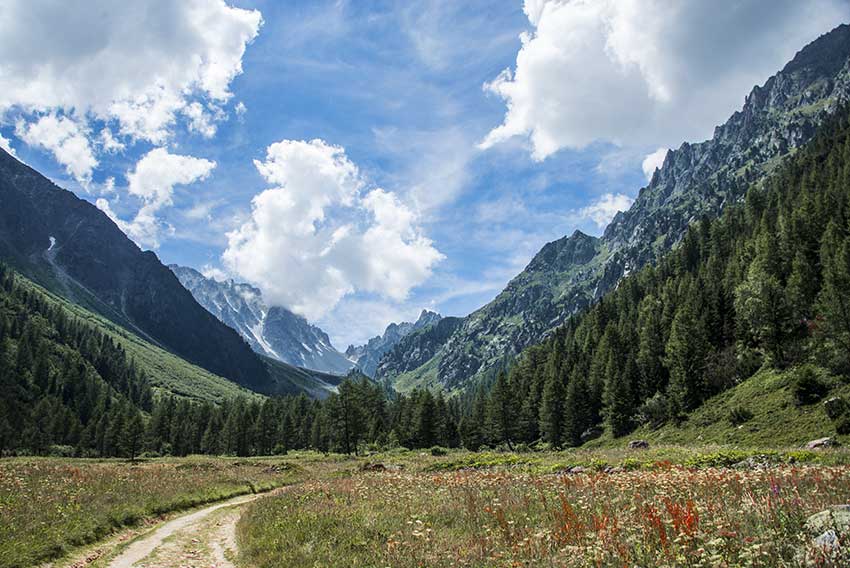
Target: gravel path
point(206, 537)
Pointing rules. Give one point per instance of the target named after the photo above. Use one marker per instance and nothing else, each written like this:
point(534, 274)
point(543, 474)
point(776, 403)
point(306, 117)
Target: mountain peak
point(272, 331)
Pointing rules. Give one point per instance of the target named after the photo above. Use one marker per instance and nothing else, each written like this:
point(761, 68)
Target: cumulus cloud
point(7, 145)
point(320, 233)
point(653, 162)
point(138, 63)
point(152, 181)
point(628, 71)
point(65, 139)
point(603, 210)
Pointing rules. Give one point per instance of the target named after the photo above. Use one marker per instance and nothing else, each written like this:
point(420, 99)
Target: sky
point(361, 161)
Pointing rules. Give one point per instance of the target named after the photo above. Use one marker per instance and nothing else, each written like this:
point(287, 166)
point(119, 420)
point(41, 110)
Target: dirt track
point(206, 537)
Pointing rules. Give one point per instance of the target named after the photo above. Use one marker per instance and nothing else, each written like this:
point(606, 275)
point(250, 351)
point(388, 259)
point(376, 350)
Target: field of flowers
point(656, 514)
point(48, 506)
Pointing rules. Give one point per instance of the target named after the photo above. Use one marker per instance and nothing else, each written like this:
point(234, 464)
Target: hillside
point(749, 309)
point(775, 420)
point(272, 331)
point(368, 357)
point(74, 250)
point(695, 181)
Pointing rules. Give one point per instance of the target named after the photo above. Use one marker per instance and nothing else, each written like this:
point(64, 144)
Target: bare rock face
point(695, 180)
point(820, 444)
point(272, 331)
point(368, 357)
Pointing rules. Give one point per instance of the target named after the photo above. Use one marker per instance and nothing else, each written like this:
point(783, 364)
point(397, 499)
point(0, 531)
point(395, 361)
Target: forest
point(765, 285)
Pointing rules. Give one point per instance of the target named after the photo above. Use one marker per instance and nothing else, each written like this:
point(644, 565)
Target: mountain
point(368, 357)
point(275, 332)
point(413, 351)
point(71, 248)
point(739, 335)
point(696, 180)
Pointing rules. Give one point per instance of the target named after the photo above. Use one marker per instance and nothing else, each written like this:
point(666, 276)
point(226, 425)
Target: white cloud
point(7, 145)
point(215, 273)
point(653, 162)
point(603, 210)
point(200, 120)
point(629, 71)
point(152, 181)
point(319, 234)
point(65, 139)
point(355, 320)
point(140, 63)
point(109, 143)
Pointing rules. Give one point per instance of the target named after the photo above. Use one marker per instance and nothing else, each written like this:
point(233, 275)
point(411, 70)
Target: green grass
point(421, 377)
point(167, 372)
point(776, 422)
point(50, 506)
point(667, 507)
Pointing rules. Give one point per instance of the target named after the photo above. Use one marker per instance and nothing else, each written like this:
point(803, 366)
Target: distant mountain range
point(368, 357)
point(695, 180)
point(272, 331)
point(73, 249)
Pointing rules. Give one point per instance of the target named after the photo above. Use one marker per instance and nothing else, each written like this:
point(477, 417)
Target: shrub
point(739, 415)
point(842, 424)
point(654, 411)
point(439, 451)
point(808, 386)
point(835, 407)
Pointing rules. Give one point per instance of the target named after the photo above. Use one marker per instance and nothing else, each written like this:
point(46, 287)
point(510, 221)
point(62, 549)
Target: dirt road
point(206, 537)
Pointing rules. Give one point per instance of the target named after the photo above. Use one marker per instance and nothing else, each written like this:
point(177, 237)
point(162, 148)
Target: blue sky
point(396, 92)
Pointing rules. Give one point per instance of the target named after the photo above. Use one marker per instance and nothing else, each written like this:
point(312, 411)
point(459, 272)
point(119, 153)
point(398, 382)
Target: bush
point(808, 386)
point(439, 451)
point(835, 407)
point(654, 411)
point(59, 451)
point(739, 415)
point(842, 424)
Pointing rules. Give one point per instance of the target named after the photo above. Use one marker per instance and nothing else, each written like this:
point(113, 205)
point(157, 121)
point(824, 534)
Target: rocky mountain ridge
point(70, 247)
point(368, 357)
point(695, 180)
point(272, 331)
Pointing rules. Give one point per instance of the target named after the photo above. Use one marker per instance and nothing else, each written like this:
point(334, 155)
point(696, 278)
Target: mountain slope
point(275, 332)
point(71, 248)
point(739, 335)
point(696, 180)
point(368, 357)
point(416, 348)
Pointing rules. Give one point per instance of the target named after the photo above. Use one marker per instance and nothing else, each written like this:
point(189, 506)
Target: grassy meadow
point(665, 506)
point(662, 507)
point(49, 506)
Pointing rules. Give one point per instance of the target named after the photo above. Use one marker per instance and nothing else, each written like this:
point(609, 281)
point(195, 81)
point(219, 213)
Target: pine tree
point(552, 402)
point(501, 412)
point(685, 356)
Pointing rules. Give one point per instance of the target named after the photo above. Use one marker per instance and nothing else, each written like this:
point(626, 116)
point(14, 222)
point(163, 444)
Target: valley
point(664, 382)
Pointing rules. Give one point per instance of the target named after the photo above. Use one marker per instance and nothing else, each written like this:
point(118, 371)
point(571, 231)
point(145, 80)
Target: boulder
point(836, 518)
point(820, 444)
point(638, 445)
point(754, 462)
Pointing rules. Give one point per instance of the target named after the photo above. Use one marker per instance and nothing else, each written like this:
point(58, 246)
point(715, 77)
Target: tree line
point(766, 284)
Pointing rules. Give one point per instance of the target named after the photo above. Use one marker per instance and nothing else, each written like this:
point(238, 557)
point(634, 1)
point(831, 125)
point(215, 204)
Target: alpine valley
point(672, 392)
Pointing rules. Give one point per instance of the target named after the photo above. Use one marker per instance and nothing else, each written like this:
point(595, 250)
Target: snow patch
point(52, 244)
point(257, 332)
